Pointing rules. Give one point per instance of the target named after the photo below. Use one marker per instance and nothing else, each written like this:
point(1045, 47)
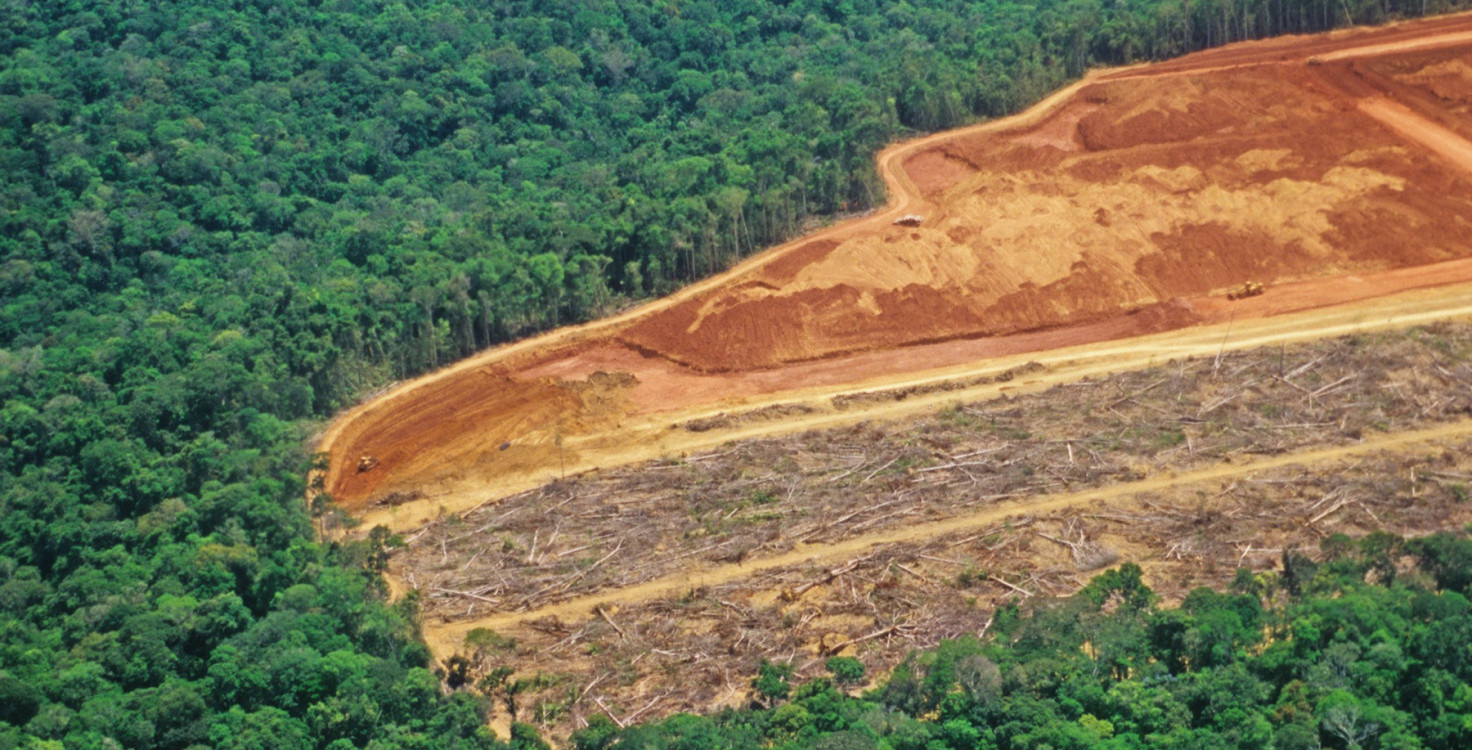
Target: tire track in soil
point(1399, 118)
point(445, 639)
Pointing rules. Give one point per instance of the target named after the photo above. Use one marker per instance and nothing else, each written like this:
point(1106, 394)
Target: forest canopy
point(221, 221)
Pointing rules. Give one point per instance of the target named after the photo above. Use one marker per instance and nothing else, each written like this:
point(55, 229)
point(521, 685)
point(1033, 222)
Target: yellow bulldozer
point(1248, 289)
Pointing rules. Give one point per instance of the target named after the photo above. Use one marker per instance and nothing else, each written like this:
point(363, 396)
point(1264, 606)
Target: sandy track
point(446, 638)
point(1446, 144)
point(1343, 44)
point(434, 441)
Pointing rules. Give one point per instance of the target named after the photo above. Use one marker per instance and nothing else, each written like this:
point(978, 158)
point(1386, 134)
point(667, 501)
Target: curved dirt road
point(568, 436)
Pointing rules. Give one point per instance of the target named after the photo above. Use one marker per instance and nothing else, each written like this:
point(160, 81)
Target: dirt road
point(1448, 145)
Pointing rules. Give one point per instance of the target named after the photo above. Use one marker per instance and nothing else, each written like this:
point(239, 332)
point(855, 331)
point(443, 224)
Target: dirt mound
point(1449, 80)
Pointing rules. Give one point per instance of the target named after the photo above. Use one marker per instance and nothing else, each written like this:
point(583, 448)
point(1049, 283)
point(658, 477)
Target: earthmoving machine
point(366, 462)
point(909, 220)
point(1248, 289)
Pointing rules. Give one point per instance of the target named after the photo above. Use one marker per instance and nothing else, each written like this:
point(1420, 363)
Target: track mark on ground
point(1399, 118)
point(1436, 41)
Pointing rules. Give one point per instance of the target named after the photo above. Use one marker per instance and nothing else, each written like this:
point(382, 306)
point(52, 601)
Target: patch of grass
point(1432, 340)
point(485, 638)
point(1009, 432)
point(759, 497)
point(971, 575)
point(1167, 438)
point(956, 416)
point(1459, 491)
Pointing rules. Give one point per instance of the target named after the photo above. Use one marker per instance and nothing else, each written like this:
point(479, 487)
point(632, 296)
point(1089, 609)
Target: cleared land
point(861, 441)
point(1125, 205)
point(663, 584)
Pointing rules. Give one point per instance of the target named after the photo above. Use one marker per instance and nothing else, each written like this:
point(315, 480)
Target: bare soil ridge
point(1190, 175)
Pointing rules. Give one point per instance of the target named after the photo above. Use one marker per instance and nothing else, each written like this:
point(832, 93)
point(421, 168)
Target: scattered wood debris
point(755, 499)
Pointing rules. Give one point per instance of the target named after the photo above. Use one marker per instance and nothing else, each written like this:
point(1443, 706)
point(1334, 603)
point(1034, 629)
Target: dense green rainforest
point(221, 220)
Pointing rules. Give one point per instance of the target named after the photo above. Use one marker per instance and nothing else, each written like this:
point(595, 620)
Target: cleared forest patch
point(793, 498)
point(624, 526)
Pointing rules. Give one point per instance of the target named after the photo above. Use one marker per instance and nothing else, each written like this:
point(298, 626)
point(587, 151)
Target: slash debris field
point(658, 587)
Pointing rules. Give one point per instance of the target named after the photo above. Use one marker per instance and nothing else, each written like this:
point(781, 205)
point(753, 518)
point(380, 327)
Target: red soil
point(1126, 205)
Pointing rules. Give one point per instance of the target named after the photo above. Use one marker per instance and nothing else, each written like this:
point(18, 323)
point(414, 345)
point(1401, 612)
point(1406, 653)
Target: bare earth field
point(859, 441)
